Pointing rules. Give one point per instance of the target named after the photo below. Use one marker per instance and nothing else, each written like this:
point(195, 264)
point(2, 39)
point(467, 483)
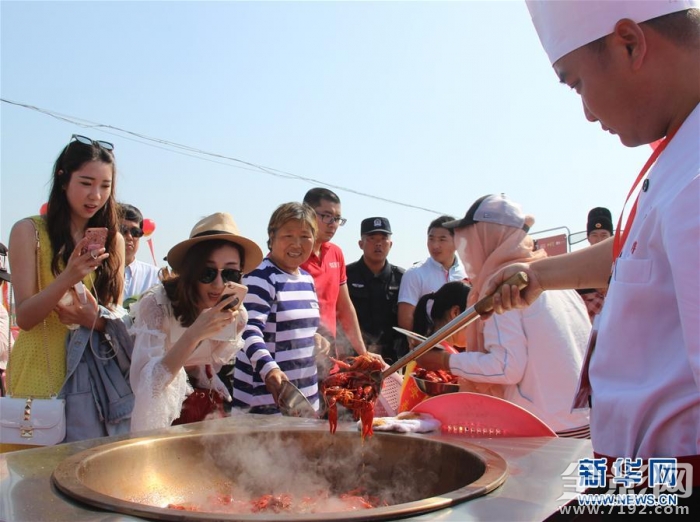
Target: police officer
point(373, 284)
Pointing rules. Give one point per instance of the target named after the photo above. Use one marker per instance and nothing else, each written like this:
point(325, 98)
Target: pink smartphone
point(233, 289)
point(97, 238)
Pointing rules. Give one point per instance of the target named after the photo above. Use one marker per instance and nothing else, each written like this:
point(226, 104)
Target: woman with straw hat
point(183, 322)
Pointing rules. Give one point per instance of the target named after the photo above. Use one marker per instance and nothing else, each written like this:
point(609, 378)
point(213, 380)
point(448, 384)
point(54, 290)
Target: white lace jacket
point(159, 395)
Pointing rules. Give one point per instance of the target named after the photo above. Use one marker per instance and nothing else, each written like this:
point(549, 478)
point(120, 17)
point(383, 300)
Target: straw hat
point(217, 226)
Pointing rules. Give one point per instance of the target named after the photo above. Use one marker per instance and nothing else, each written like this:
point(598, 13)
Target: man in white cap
point(636, 66)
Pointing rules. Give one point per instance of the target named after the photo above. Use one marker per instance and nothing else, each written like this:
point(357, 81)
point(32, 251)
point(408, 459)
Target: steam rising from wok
point(243, 459)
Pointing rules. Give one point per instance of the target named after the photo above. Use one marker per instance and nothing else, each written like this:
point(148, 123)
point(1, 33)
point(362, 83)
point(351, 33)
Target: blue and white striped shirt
point(283, 316)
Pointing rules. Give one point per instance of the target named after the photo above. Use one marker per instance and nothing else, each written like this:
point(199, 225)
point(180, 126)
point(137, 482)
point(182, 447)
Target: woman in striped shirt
point(283, 316)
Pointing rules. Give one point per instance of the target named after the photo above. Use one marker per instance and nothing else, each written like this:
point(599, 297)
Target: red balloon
point(149, 227)
point(44, 209)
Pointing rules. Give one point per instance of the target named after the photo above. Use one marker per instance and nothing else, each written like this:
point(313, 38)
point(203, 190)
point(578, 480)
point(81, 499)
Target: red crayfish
point(352, 386)
point(435, 375)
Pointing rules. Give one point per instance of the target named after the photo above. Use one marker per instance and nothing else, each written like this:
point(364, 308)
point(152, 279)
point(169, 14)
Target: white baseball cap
point(566, 25)
point(494, 208)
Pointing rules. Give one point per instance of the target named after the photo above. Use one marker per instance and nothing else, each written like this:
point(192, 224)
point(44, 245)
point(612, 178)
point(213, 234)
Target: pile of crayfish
point(320, 502)
point(435, 375)
point(351, 385)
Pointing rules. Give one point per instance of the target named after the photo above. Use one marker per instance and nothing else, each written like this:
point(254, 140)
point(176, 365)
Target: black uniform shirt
point(375, 298)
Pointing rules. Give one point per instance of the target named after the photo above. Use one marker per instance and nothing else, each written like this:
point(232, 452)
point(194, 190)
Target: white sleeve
point(410, 288)
point(222, 348)
point(5, 337)
point(158, 394)
point(505, 358)
point(681, 236)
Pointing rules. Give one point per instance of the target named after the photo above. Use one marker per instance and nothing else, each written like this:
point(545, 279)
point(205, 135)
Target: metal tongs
point(467, 317)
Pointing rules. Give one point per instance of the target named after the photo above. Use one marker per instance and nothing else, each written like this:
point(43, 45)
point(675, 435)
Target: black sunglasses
point(135, 232)
point(228, 275)
point(87, 141)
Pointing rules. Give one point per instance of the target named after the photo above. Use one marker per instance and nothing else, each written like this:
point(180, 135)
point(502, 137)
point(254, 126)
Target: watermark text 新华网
point(631, 486)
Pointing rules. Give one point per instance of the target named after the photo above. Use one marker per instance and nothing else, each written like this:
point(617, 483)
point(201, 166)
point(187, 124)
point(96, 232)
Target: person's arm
point(150, 344)
point(258, 301)
point(158, 392)
point(208, 323)
point(405, 316)
point(88, 315)
point(504, 361)
point(586, 268)
point(347, 317)
point(32, 305)
point(409, 294)
point(121, 250)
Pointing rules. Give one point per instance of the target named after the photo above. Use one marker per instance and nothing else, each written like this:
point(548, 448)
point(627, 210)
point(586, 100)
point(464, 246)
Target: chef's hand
point(435, 359)
point(273, 383)
point(510, 297)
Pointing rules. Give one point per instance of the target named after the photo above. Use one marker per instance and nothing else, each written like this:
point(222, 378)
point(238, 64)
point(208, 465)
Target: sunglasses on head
point(87, 141)
point(228, 275)
point(135, 232)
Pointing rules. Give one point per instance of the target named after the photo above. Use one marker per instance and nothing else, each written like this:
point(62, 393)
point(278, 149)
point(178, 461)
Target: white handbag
point(36, 422)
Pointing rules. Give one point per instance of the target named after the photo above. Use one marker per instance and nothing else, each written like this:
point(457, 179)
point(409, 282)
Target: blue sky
point(429, 104)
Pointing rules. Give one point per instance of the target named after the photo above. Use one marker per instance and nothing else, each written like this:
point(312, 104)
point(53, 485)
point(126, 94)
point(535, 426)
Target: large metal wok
point(412, 474)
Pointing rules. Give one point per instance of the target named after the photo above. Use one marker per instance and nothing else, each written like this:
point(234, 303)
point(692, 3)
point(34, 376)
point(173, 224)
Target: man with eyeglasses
point(138, 276)
point(326, 264)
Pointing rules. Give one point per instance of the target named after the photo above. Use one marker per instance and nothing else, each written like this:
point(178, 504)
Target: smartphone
point(81, 292)
point(233, 289)
point(97, 239)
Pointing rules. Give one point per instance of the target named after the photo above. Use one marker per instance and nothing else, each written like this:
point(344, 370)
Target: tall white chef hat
point(566, 25)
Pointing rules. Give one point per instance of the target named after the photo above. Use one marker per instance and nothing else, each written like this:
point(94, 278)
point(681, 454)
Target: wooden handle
point(486, 304)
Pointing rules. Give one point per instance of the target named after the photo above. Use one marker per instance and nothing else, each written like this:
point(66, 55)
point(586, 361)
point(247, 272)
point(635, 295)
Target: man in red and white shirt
point(327, 266)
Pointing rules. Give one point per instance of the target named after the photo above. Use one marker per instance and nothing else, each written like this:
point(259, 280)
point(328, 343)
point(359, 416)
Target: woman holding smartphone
point(50, 255)
point(188, 326)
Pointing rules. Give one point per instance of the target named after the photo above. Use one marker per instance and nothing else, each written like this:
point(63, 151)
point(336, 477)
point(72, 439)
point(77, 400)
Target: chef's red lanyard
point(621, 236)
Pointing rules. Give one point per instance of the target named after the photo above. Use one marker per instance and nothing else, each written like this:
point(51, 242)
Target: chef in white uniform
point(636, 66)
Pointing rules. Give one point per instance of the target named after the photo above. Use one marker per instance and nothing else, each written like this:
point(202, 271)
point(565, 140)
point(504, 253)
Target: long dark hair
point(181, 288)
point(450, 294)
point(109, 281)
